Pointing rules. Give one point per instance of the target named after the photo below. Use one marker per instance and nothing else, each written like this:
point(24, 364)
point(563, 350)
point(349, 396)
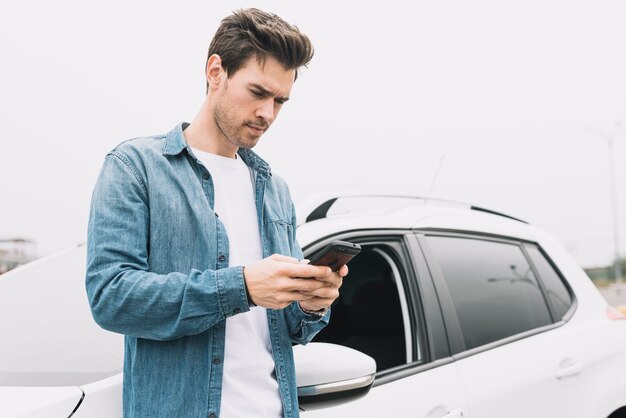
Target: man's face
point(248, 102)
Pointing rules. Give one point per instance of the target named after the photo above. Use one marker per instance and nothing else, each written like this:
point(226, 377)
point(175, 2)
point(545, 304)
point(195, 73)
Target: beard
point(234, 130)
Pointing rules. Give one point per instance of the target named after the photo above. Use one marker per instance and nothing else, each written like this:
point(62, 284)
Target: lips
point(257, 129)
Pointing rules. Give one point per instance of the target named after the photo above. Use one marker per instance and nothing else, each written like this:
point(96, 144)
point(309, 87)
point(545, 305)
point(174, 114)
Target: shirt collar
point(175, 144)
point(175, 141)
point(255, 162)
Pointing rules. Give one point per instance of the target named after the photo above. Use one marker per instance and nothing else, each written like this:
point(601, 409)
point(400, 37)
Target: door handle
point(572, 369)
point(457, 413)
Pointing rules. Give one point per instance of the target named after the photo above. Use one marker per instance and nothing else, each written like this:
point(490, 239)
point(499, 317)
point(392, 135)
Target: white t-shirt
point(249, 386)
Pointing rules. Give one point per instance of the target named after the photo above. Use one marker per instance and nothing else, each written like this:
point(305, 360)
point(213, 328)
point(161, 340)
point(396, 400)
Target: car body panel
point(416, 216)
point(48, 298)
point(103, 399)
point(39, 402)
point(609, 367)
point(519, 379)
point(433, 393)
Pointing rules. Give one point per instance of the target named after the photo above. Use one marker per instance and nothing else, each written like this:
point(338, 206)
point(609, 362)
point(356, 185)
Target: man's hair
point(254, 33)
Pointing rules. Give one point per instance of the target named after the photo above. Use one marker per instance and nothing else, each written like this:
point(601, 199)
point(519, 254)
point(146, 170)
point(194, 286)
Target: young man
point(192, 251)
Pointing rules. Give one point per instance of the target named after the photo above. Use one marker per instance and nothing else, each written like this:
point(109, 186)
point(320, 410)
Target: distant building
point(598, 274)
point(604, 275)
point(15, 252)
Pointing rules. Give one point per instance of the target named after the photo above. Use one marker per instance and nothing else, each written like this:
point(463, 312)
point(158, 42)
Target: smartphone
point(335, 254)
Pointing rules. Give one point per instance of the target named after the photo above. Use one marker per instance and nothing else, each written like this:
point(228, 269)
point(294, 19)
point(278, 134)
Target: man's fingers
point(303, 285)
point(343, 271)
point(328, 294)
point(299, 297)
point(284, 258)
point(278, 280)
point(332, 280)
point(306, 270)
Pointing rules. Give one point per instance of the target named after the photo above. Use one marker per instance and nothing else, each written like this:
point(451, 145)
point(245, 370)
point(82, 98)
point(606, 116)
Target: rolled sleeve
point(304, 326)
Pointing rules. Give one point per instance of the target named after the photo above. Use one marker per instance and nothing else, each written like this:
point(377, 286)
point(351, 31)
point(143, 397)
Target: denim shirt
point(157, 272)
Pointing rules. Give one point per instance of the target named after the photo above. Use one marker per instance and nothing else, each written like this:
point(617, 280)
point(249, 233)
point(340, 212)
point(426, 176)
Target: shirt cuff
point(231, 290)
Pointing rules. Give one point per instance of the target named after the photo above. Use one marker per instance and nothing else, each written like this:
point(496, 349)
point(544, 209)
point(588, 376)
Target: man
point(192, 251)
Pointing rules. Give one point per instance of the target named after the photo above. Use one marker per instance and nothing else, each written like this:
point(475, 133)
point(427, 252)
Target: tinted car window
point(492, 288)
point(558, 295)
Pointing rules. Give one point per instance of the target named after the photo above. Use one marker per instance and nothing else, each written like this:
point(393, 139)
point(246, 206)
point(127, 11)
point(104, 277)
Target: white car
point(464, 312)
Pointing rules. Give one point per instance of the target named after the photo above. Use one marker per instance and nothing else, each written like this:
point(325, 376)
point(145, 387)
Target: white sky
point(502, 89)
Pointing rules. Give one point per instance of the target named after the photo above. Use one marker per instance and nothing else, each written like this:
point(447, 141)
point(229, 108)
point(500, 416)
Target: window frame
point(451, 323)
point(397, 244)
point(568, 287)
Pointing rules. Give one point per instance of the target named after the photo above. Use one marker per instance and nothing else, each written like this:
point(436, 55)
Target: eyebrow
point(268, 92)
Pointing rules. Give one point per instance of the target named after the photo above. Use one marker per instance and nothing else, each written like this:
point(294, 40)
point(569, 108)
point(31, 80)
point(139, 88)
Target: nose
point(266, 110)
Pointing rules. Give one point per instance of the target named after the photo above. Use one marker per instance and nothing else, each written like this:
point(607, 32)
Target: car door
point(386, 313)
point(517, 350)
point(431, 393)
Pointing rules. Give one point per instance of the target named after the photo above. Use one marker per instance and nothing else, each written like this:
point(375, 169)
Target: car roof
point(326, 215)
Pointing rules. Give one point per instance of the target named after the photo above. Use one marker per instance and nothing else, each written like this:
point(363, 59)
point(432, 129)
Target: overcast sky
point(501, 92)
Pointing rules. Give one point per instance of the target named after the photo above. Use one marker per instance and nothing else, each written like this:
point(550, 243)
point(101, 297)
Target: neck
point(204, 134)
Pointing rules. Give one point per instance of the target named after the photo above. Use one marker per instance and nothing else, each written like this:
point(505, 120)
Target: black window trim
point(407, 370)
point(570, 312)
point(438, 344)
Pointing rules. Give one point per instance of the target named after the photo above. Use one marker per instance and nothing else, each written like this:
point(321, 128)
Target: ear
point(214, 71)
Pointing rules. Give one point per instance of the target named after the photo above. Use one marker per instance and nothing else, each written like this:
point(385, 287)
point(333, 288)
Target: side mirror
point(330, 374)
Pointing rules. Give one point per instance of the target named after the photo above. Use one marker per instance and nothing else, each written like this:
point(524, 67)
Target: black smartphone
point(335, 254)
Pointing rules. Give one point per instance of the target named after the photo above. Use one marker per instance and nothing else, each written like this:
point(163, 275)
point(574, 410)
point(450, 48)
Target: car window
point(492, 288)
point(558, 295)
point(371, 313)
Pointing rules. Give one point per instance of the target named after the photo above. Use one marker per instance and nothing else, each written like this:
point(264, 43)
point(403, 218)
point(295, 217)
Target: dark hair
point(253, 32)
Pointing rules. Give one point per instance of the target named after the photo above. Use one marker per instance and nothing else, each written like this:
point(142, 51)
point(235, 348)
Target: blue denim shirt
point(157, 272)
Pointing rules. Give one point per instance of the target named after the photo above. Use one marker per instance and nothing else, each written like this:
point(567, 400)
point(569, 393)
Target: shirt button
point(206, 177)
point(222, 257)
point(217, 360)
point(212, 416)
point(237, 310)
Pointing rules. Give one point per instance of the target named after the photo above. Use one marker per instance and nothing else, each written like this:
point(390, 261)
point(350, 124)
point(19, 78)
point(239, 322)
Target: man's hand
point(277, 281)
point(324, 297)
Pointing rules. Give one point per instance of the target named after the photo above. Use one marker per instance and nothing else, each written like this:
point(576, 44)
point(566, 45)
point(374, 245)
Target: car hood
point(39, 402)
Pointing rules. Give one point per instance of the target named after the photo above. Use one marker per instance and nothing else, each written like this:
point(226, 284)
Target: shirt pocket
point(278, 236)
